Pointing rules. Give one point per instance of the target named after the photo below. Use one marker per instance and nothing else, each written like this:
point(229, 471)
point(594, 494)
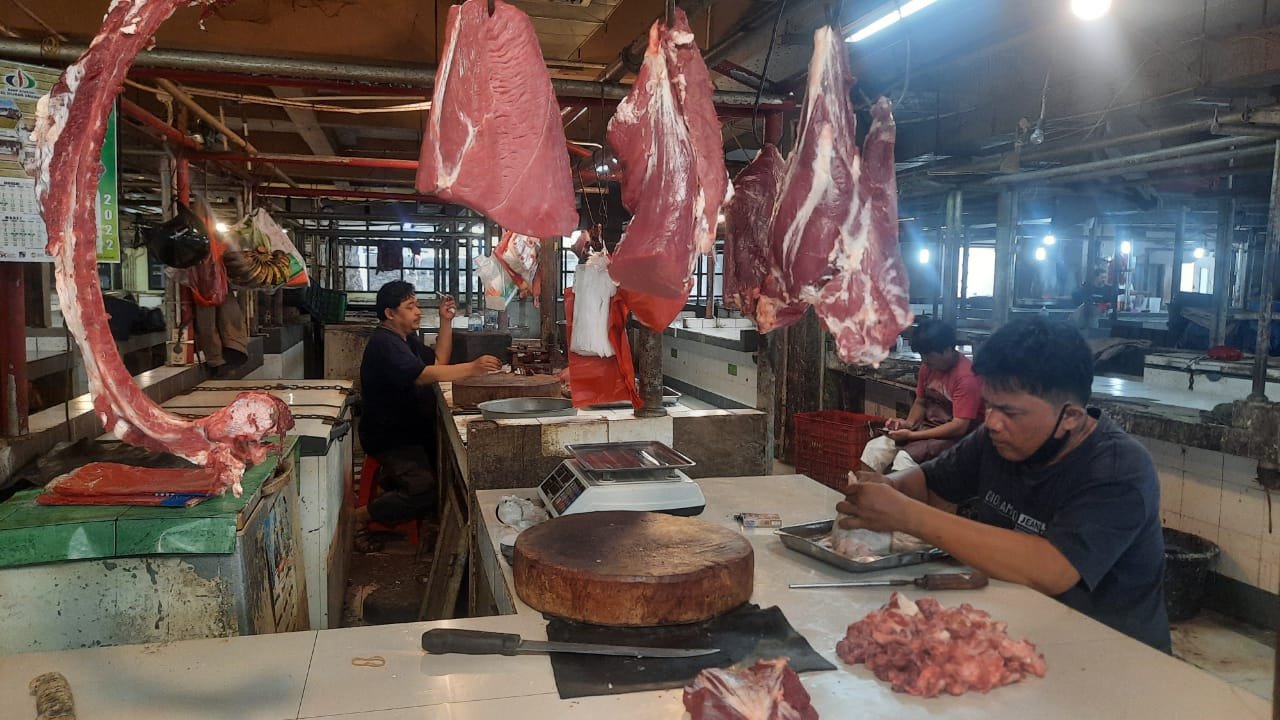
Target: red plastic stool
point(370, 489)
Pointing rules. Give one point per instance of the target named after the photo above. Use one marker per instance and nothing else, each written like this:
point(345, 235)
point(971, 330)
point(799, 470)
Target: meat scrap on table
point(768, 690)
point(922, 648)
point(67, 140)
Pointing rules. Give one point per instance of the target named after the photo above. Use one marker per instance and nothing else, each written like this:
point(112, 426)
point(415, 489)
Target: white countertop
point(1094, 672)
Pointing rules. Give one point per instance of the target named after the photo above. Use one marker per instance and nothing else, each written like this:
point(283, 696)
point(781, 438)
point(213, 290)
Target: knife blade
point(933, 581)
point(442, 641)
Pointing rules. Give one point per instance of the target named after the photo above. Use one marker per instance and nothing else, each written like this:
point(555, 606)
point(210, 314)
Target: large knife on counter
point(479, 642)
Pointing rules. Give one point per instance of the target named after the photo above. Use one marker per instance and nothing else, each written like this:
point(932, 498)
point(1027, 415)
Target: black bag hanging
point(181, 241)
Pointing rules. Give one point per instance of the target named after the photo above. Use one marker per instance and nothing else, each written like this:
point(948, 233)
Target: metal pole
point(950, 252)
point(1179, 248)
point(1229, 148)
point(1222, 271)
point(1006, 235)
point(1267, 297)
point(13, 351)
point(964, 278)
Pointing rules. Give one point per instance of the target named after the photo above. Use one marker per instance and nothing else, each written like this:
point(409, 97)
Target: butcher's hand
point(485, 364)
point(902, 436)
point(895, 424)
point(448, 309)
point(875, 506)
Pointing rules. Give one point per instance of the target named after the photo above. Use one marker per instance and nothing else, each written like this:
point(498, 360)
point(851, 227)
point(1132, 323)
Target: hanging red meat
point(834, 228)
point(768, 690)
point(667, 138)
point(70, 124)
point(925, 649)
point(866, 305)
point(747, 260)
point(494, 139)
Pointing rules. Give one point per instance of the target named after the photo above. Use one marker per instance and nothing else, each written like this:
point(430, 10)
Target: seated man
point(948, 404)
point(398, 427)
point(1066, 502)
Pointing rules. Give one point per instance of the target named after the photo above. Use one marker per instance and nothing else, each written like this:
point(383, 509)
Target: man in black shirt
point(397, 427)
point(1065, 502)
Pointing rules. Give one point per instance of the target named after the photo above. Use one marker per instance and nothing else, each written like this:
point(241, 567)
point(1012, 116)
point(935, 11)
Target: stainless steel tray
point(622, 457)
point(804, 539)
point(526, 407)
point(669, 397)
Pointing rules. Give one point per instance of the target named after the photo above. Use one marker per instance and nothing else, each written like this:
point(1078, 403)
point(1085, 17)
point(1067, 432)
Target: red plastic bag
point(1224, 353)
point(654, 312)
point(596, 380)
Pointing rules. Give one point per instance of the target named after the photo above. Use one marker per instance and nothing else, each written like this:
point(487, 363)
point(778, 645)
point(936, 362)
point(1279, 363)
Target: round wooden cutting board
point(472, 391)
point(624, 568)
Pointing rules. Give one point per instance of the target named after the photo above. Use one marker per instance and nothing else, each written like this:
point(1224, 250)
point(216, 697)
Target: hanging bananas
point(253, 269)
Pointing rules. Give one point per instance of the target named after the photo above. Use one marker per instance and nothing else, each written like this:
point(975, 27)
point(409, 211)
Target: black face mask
point(1052, 445)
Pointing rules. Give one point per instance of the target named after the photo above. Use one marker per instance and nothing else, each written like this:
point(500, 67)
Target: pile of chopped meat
point(925, 649)
point(768, 690)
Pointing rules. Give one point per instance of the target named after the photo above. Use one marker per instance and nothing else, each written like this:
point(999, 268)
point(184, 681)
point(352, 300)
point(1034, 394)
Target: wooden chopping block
point(472, 391)
point(627, 569)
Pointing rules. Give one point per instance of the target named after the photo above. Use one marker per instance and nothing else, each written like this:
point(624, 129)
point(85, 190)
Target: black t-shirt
point(1099, 506)
point(395, 409)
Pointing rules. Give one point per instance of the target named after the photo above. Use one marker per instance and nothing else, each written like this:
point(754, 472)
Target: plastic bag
point(654, 312)
point(597, 380)
point(518, 255)
point(593, 292)
point(263, 256)
point(499, 290)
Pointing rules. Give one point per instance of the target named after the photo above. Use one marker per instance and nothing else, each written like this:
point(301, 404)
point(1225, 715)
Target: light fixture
point(1126, 247)
point(1041, 254)
point(221, 226)
point(1050, 240)
point(923, 256)
point(886, 16)
point(1198, 253)
point(1090, 9)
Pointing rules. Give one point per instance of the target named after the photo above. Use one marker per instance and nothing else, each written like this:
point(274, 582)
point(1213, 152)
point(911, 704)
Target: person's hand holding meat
point(902, 435)
point(896, 424)
point(485, 364)
point(448, 310)
point(875, 506)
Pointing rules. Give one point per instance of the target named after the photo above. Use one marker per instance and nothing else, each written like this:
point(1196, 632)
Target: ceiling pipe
point(630, 57)
point(319, 160)
point(1152, 163)
point(263, 70)
point(157, 127)
point(1194, 152)
point(343, 193)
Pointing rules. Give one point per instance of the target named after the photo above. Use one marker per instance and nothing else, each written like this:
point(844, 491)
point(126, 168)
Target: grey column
point(1179, 245)
point(1222, 262)
point(648, 354)
point(1267, 296)
point(1006, 234)
point(949, 250)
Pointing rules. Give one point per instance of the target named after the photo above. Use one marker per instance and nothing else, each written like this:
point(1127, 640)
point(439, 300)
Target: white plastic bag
point(593, 290)
point(499, 290)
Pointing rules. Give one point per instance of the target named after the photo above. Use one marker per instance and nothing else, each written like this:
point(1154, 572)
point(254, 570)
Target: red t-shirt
point(958, 387)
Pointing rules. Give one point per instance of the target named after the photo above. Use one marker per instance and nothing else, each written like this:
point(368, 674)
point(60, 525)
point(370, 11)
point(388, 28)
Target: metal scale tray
point(644, 456)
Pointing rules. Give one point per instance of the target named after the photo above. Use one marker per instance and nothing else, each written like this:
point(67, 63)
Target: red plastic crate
point(829, 443)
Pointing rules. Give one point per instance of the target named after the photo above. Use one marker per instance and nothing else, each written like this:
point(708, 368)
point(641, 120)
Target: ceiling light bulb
point(221, 226)
point(1126, 247)
point(1090, 9)
point(1049, 239)
point(924, 256)
point(1041, 254)
point(1198, 253)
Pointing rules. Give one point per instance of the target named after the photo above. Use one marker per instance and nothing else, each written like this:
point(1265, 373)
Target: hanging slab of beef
point(746, 228)
point(668, 142)
point(768, 690)
point(70, 124)
point(632, 569)
point(834, 228)
point(494, 140)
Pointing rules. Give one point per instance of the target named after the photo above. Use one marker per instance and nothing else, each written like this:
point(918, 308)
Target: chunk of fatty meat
point(494, 139)
point(768, 690)
point(71, 122)
point(747, 258)
point(925, 649)
point(674, 180)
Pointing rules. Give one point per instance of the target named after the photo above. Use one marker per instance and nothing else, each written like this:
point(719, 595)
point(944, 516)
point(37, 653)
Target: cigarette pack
point(759, 520)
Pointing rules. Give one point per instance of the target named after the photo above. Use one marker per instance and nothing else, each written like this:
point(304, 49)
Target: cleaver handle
point(442, 641)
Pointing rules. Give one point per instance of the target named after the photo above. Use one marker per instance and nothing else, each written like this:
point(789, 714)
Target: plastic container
point(327, 305)
point(1187, 561)
point(829, 444)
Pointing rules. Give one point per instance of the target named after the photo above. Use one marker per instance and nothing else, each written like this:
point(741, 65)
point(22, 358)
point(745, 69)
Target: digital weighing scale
point(622, 476)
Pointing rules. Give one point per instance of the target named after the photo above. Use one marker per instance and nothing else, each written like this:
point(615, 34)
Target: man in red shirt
point(948, 404)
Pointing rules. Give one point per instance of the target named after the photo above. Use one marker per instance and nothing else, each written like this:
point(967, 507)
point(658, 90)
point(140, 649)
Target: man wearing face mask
point(1063, 500)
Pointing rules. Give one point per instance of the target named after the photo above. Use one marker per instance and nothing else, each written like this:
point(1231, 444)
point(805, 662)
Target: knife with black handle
point(442, 641)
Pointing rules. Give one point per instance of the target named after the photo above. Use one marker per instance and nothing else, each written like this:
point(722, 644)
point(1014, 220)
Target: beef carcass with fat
point(667, 138)
point(70, 124)
point(494, 139)
point(834, 227)
point(922, 648)
point(768, 690)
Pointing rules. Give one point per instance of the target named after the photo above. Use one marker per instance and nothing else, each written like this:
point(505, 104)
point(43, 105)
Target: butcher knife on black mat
point(744, 635)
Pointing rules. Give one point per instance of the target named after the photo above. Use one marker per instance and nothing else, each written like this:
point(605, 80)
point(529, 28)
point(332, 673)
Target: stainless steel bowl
point(526, 407)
